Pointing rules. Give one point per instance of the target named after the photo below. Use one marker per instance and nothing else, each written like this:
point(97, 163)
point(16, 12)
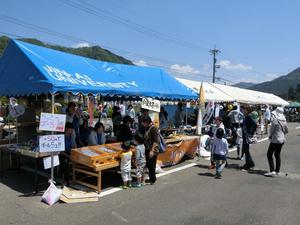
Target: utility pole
point(214, 52)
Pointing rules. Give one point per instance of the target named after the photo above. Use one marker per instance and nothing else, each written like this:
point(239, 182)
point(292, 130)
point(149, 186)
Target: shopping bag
point(52, 194)
point(251, 139)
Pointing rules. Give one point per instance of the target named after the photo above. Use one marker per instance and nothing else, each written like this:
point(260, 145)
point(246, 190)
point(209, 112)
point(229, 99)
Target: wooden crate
point(95, 156)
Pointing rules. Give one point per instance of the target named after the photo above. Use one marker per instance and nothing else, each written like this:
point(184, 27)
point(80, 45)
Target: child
point(140, 160)
point(220, 151)
point(125, 166)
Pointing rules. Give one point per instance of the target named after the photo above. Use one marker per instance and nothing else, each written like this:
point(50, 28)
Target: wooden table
point(94, 172)
point(92, 160)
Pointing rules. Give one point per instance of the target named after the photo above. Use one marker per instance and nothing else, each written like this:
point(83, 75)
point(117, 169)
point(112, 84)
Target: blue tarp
point(30, 69)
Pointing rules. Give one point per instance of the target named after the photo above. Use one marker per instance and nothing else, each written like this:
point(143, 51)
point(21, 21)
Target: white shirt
point(122, 110)
point(267, 114)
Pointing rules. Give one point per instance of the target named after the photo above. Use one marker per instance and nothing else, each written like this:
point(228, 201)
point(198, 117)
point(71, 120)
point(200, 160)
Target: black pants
point(64, 167)
point(246, 149)
point(274, 148)
point(151, 165)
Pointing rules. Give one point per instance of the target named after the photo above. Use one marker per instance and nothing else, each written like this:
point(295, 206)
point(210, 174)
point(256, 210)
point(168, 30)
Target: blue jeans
point(220, 163)
point(246, 149)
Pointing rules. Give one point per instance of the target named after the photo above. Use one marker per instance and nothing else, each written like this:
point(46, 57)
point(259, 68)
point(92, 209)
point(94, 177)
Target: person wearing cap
point(278, 130)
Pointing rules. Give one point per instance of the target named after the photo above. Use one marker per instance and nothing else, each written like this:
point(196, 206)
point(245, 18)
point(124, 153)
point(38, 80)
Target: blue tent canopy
point(30, 69)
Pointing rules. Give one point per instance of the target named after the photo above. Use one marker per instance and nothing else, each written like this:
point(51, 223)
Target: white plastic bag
point(52, 194)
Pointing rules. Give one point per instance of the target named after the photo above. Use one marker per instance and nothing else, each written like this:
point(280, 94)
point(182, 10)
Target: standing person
point(124, 132)
point(163, 118)
point(218, 124)
point(125, 165)
point(151, 147)
point(220, 151)
point(130, 111)
point(116, 119)
point(239, 135)
point(140, 160)
point(64, 157)
point(73, 116)
point(249, 127)
point(122, 109)
point(179, 115)
point(100, 110)
point(104, 111)
point(235, 117)
point(97, 135)
point(267, 119)
point(143, 114)
point(278, 130)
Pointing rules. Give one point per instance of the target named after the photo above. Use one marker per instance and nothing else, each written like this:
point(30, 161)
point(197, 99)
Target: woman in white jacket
point(277, 133)
point(97, 135)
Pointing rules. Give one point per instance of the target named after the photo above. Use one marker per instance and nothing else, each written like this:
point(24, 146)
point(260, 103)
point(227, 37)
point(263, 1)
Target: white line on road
point(119, 217)
point(264, 139)
point(114, 190)
point(297, 128)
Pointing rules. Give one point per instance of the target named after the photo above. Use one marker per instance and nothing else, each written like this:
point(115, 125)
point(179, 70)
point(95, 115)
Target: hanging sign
point(52, 143)
point(52, 122)
point(151, 104)
point(209, 111)
point(47, 162)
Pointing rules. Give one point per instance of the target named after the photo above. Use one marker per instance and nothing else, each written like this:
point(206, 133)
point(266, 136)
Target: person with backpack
point(152, 142)
point(277, 133)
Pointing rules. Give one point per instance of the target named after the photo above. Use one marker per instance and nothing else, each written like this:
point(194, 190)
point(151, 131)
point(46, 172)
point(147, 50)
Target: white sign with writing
point(52, 143)
point(52, 122)
point(151, 104)
point(47, 161)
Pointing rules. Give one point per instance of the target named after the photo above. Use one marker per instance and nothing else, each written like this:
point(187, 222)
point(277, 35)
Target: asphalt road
point(190, 196)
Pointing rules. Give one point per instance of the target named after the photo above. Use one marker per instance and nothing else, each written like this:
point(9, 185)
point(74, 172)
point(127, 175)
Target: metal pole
point(52, 132)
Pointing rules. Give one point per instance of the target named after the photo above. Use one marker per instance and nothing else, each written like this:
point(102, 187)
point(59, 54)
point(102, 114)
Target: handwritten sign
point(47, 161)
point(151, 104)
point(52, 122)
point(52, 143)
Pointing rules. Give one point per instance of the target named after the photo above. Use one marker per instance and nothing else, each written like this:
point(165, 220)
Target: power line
point(108, 16)
point(148, 64)
point(76, 39)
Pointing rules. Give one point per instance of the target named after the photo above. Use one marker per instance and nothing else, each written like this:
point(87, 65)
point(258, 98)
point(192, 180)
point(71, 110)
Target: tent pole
point(52, 132)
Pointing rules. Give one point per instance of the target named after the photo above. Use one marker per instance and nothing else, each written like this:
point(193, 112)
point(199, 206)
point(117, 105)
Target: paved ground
point(190, 196)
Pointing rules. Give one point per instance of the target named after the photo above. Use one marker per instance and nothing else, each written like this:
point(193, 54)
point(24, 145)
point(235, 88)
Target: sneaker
point(218, 176)
point(137, 185)
point(123, 187)
point(270, 174)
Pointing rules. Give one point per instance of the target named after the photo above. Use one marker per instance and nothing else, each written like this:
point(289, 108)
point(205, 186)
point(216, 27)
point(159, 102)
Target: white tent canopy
point(210, 92)
point(224, 93)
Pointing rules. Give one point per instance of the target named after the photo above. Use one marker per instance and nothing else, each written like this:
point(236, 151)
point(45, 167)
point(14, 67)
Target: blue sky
point(258, 39)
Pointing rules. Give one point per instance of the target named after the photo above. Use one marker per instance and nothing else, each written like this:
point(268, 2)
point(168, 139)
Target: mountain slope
point(94, 52)
point(243, 85)
point(280, 85)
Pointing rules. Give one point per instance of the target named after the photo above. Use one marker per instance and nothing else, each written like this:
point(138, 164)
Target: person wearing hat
point(278, 130)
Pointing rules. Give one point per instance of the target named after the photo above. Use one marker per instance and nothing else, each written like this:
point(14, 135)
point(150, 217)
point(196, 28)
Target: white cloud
point(184, 69)
point(226, 64)
point(81, 45)
point(271, 76)
point(140, 63)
